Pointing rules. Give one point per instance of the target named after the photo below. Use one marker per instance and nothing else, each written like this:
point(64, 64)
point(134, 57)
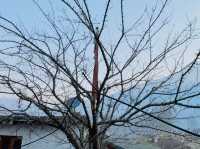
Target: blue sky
point(26, 13)
point(12, 7)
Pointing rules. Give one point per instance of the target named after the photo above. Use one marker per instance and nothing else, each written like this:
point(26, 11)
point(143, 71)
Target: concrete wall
point(30, 133)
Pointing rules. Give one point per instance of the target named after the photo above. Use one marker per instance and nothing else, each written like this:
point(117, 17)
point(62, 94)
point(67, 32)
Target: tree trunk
point(93, 133)
point(93, 140)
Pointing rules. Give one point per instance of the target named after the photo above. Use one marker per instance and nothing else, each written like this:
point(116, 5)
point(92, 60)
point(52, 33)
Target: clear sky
point(26, 13)
point(24, 8)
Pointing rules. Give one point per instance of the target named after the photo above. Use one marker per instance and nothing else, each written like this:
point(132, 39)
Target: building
point(17, 132)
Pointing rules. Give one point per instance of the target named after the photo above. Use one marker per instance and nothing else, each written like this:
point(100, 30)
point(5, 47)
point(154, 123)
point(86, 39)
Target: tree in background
point(120, 74)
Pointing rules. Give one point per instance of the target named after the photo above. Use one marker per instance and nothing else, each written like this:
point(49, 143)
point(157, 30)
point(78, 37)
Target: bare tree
point(133, 73)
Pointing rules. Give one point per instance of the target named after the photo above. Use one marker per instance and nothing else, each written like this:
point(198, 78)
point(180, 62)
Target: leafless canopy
point(141, 73)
